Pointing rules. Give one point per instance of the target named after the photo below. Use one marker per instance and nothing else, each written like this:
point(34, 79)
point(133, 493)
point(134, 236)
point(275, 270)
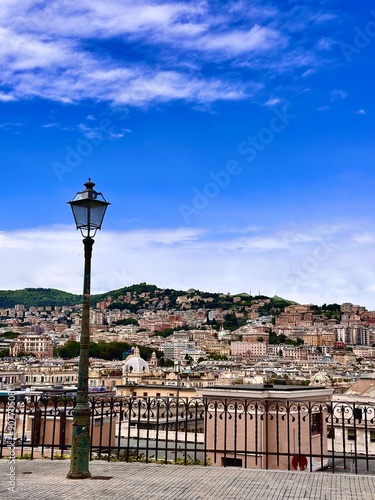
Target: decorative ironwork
point(222, 431)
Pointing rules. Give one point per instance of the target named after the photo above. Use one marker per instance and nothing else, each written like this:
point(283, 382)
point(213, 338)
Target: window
point(316, 423)
point(372, 436)
point(351, 434)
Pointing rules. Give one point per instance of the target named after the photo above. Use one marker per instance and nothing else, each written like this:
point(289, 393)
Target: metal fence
point(287, 435)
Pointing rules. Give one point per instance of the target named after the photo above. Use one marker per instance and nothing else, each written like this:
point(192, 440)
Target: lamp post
point(88, 209)
point(177, 370)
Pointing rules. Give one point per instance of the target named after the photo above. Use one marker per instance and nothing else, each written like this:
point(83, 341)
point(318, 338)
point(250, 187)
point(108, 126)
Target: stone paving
point(46, 479)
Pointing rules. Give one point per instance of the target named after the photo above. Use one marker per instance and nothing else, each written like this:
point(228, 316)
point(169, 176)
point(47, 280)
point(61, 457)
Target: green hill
point(38, 297)
point(42, 297)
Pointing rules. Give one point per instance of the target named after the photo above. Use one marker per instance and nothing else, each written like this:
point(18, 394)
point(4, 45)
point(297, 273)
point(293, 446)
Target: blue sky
point(235, 141)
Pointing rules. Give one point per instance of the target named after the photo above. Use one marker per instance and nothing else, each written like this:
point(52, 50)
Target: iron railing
point(288, 435)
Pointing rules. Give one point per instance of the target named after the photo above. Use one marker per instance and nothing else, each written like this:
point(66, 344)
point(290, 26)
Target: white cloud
point(361, 112)
point(10, 125)
point(51, 125)
point(7, 97)
point(326, 263)
point(235, 42)
point(325, 43)
point(308, 72)
point(338, 94)
point(273, 101)
point(47, 49)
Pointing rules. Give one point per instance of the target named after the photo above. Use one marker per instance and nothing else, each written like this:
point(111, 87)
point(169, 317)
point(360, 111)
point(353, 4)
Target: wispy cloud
point(96, 133)
point(11, 125)
point(51, 125)
point(60, 51)
point(236, 42)
point(338, 94)
point(326, 43)
point(273, 101)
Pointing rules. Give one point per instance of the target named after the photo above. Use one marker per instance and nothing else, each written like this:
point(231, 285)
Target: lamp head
point(89, 207)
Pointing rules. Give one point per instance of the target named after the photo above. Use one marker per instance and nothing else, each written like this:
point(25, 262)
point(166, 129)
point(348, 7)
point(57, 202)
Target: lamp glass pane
point(80, 215)
point(97, 212)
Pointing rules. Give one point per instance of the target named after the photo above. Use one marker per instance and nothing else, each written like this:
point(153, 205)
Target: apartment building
point(255, 349)
point(39, 345)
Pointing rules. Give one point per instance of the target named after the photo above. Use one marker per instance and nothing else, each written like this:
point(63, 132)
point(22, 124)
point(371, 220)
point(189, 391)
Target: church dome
point(320, 379)
point(135, 364)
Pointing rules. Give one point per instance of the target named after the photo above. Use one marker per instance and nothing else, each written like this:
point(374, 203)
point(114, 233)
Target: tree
point(166, 362)
point(10, 335)
point(273, 338)
point(126, 321)
point(290, 342)
point(163, 333)
point(67, 351)
point(217, 357)
point(189, 359)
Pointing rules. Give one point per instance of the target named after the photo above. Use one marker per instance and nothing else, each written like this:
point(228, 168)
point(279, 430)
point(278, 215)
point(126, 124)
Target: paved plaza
point(46, 479)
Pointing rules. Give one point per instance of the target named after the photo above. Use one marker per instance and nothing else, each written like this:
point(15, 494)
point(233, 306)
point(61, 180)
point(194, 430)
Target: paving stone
point(46, 479)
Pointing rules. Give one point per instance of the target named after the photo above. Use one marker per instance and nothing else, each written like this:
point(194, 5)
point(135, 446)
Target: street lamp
point(88, 208)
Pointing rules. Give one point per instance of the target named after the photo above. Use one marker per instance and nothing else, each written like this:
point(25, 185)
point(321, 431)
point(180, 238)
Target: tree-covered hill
point(144, 294)
point(38, 297)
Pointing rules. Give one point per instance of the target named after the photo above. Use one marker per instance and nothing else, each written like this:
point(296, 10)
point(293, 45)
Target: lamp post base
point(78, 475)
point(80, 451)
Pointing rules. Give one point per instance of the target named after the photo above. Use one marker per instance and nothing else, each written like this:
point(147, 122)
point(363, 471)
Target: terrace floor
point(46, 479)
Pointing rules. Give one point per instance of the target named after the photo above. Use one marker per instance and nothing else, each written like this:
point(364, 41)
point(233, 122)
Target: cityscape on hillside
point(216, 339)
point(186, 241)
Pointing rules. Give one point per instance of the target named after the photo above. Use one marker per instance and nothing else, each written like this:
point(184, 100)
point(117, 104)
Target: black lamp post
point(88, 208)
point(177, 371)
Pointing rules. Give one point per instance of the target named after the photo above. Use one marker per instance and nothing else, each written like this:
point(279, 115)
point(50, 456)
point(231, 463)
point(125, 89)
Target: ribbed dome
point(320, 379)
point(135, 364)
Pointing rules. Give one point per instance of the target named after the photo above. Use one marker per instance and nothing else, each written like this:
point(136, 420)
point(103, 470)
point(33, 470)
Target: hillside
point(42, 297)
point(38, 297)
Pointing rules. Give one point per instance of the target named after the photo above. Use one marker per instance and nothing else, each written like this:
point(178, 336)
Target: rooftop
point(134, 481)
point(262, 387)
